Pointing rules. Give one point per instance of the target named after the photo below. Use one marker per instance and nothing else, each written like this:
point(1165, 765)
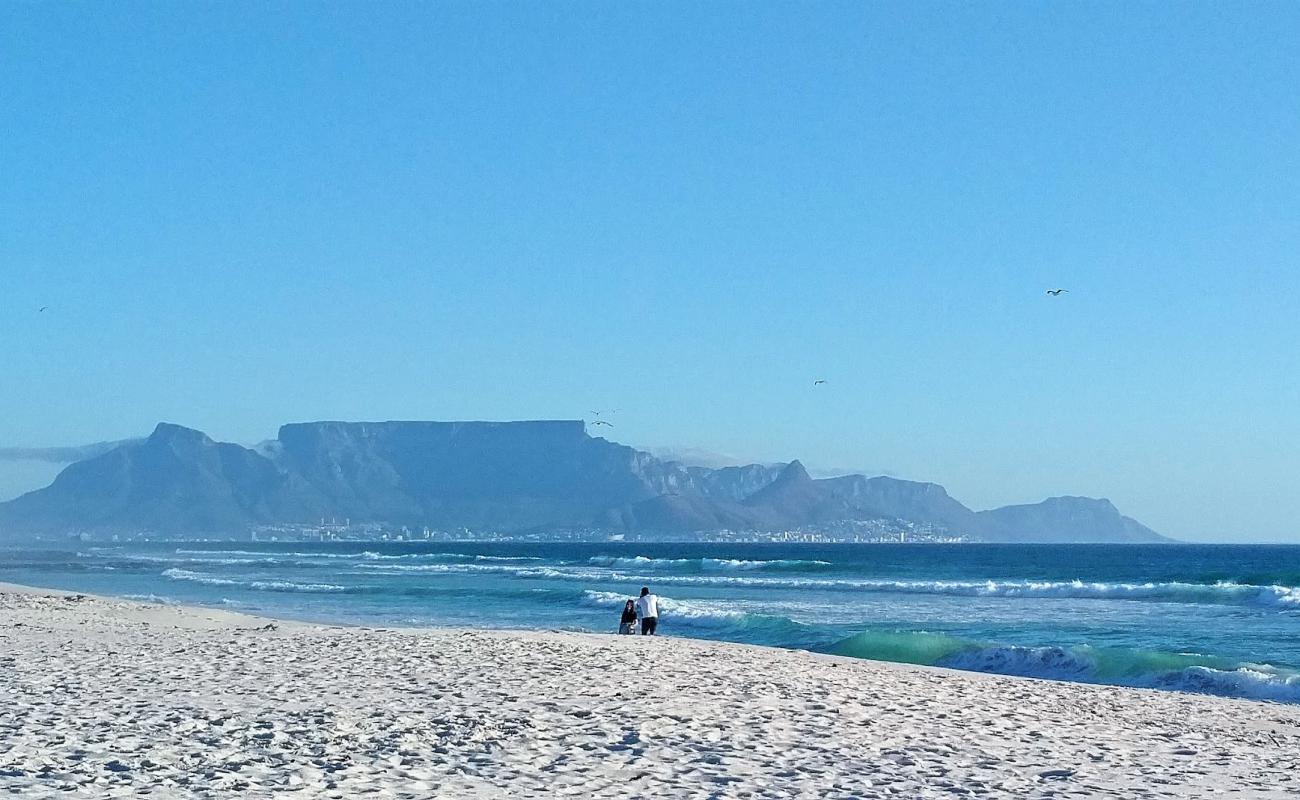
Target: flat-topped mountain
point(1066, 519)
point(502, 476)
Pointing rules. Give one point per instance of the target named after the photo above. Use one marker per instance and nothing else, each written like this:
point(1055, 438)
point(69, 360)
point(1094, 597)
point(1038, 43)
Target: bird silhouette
point(602, 422)
point(1056, 292)
point(819, 381)
point(42, 309)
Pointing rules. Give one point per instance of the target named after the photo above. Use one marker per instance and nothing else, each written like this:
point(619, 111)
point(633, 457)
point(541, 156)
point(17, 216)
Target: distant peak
point(794, 471)
point(1076, 501)
point(170, 432)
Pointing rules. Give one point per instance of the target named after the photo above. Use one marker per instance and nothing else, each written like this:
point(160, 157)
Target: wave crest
point(257, 585)
point(708, 564)
point(1188, 672)
point(1222, 593)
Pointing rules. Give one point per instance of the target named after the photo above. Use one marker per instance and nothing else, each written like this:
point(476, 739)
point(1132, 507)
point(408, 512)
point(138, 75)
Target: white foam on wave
point(195, 559)
point(609, 568)
point(508, 558)
point(448, 569)
point(156, 599)
point(704, 563)
point(1223, 593)
point(1283, 597)
point(1258, 682)
point(1117, 666)
point(260, 553)
point(271, 556)
point(259, 585)
point(683, 609)
point(1241, 682)
point(455, 557)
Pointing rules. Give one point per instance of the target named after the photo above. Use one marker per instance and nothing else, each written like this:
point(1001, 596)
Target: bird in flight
point(819, 382)
point(1056, 292)
point(602, 422)
point(42, 309)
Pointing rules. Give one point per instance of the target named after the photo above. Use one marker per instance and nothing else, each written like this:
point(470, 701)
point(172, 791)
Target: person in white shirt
point(647, 610)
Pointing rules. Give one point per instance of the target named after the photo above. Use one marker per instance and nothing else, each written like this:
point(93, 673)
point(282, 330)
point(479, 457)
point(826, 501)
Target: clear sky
point(246, 214)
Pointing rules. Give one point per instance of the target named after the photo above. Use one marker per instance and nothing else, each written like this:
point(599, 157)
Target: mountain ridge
point(497, 476)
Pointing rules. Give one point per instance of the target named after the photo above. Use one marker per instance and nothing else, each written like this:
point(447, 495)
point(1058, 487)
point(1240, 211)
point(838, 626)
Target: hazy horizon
point(19, 474)
point(238, 216)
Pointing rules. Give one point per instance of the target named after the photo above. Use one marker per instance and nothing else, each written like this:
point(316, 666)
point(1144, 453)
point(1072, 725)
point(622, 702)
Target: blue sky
point(242, 214)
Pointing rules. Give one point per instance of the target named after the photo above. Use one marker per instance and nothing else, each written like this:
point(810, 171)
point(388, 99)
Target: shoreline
point(189, 701)
point(252, 619)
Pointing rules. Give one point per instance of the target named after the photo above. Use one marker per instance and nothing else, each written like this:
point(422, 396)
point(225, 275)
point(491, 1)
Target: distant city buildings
point(876, 531)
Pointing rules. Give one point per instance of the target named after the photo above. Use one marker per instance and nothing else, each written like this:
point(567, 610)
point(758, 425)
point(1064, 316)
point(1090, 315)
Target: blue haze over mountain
point(495, 476)
point(59, 455)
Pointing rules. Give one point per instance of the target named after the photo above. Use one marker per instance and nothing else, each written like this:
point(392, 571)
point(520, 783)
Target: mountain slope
point(176, 480)
point(1065, 519)
point(502, 476)
point(473, 474)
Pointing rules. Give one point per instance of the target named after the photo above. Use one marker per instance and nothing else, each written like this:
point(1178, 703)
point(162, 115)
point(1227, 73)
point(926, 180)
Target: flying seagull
point(42, 309)
point(1056, 292)
point(819, 381)
point(602, 422)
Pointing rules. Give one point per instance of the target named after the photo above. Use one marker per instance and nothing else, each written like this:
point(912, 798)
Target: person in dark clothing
point(627, 623)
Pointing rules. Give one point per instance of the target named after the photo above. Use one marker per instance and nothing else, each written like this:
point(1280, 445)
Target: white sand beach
point(111, 698)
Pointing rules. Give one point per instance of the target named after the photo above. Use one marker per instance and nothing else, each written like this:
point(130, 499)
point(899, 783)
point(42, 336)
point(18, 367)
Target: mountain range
point(495, 476)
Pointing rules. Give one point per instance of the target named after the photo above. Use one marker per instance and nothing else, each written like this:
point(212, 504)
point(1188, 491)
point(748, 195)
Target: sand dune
point(106, 698)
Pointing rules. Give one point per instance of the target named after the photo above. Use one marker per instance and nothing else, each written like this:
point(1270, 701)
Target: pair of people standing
point(645, 609)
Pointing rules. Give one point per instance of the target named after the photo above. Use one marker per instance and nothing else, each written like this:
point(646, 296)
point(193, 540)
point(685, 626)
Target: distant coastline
point(1138, 615)
point(520, 480)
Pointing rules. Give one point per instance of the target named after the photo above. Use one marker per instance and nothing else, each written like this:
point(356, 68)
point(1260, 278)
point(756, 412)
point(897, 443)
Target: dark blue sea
point(1223, 620)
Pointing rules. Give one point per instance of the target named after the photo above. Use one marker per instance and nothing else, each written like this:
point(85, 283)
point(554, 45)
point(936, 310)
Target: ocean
point(1222, 620)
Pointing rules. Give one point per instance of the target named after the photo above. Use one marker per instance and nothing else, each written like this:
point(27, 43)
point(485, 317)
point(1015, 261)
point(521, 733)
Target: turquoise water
point(1218, 619)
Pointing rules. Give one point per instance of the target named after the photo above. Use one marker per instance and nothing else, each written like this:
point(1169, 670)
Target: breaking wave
point(449, 569)
point(755, 574)
point(155, 599)
point(608, 569)
point(1223, 593)
point(261, 586)
point(717, 620)
point(1188, 672)
point(709, 564)
point(680, 609)
point(223, 556)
